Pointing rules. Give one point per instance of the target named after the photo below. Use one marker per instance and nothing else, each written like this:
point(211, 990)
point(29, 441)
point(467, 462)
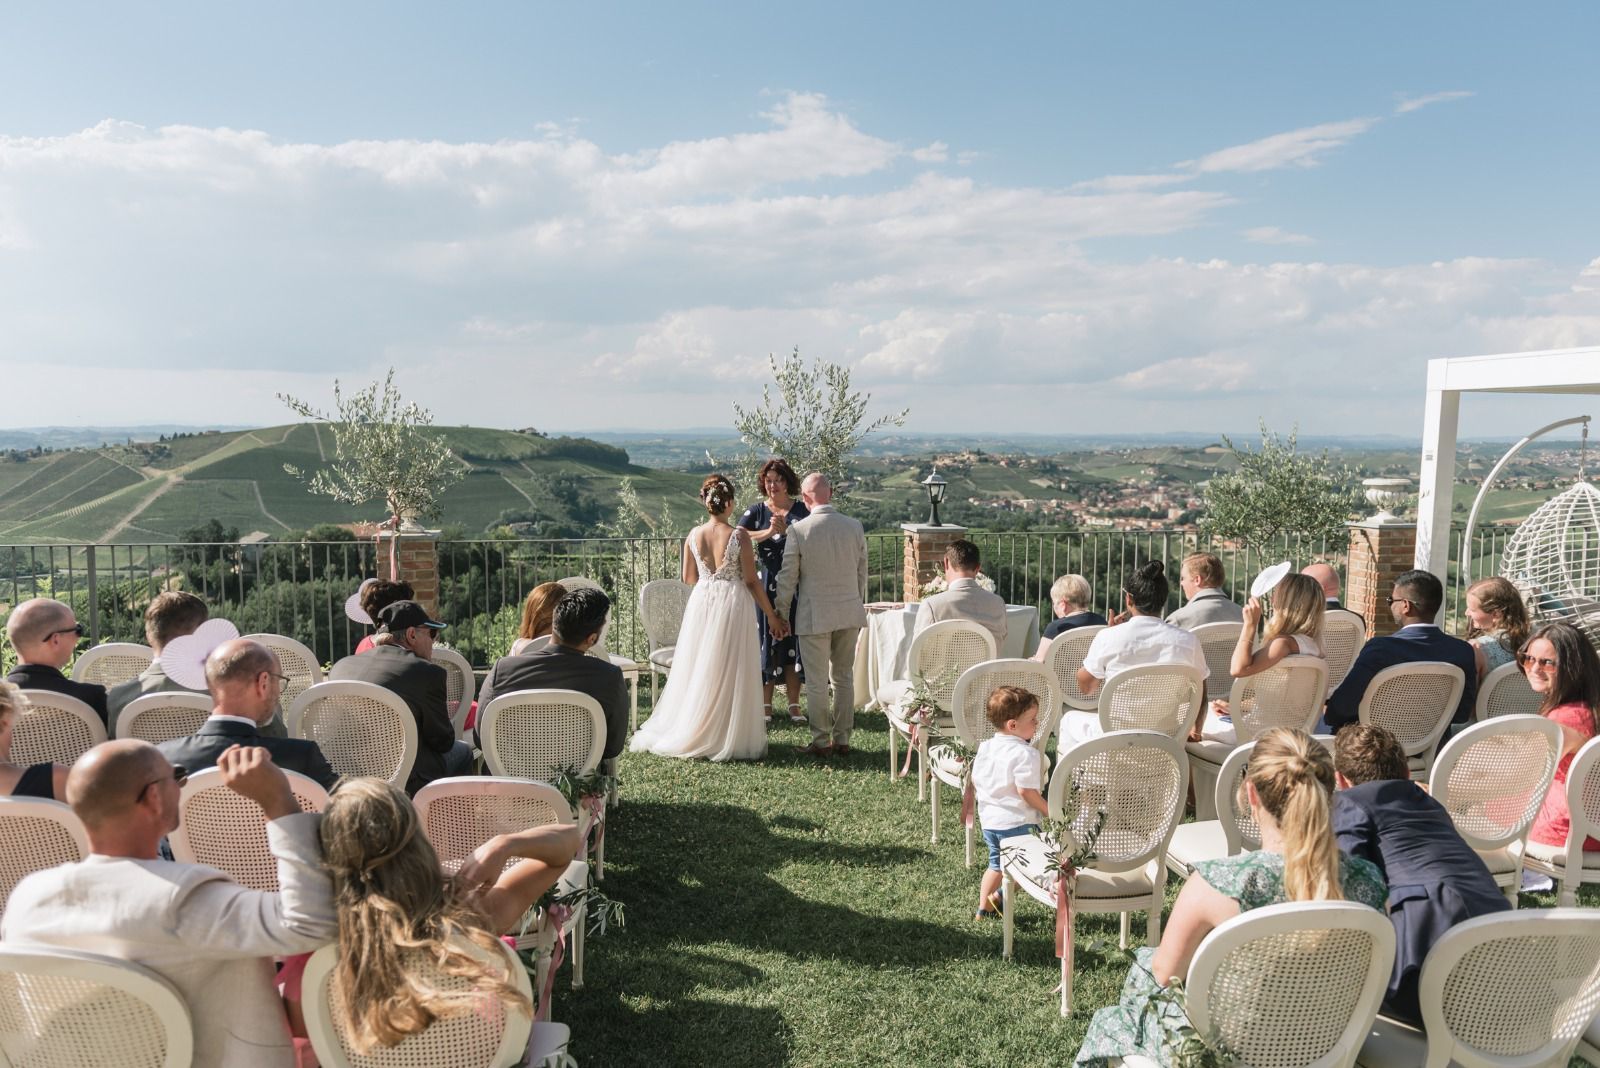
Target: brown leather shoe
point(840, 749)
point(818, 751)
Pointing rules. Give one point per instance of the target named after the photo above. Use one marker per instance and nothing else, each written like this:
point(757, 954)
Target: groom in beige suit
point(826, 557)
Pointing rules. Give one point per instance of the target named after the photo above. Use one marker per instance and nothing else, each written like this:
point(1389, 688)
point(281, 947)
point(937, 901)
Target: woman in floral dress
point(767, 520)
point(1290, 790)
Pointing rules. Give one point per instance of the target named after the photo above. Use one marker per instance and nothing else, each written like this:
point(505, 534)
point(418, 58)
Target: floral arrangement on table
point(937, 584)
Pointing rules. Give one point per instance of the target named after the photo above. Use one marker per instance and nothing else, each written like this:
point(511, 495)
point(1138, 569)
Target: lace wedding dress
point(711, 704)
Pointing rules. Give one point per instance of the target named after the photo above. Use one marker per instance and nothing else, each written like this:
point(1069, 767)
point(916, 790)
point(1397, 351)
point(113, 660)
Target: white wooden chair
point(62, 1008)
point(1492, 778)
point(1508, 989)
point(1288, 694)
point(489, 1037)
point(1164, 698)
point(661, 606)
point(939, 654)
point(297, 661)
point(362, 728)
point(54, 728)
point(1343, 634)
point(1505, 692)
point(110, 663)
point(1064, 658)
point(38, 834)
point(1291, 984)
point(460, 686)
point(969, 706)
point(229, 832)
point(1140, 779)
point(1414, 702)
point(1569, 864)
point(1217, 642)
point(162, 716)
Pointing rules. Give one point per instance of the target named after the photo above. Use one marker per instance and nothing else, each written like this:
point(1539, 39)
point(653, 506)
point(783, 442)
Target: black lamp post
point(935, 487)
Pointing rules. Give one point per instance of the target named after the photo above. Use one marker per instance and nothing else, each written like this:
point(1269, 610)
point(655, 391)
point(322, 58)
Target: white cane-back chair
point(62, 1008)
point(362, 728)
point(1140, 779)
point(1343, 634)
point(54, 728)
point(1570, 864)
point(1492, 779)
point(1414, 702)
point(1288, 694)
point(1508, 989)
point(229, 831)
point(661, 606)
point(1217, 642)
point(969, 709)
point(1165, 698)
point(297, 661)
point(111, 663)
point(163, 716)
point(1064, 658)
point(938, 655)
point(38, 834)
point(1505, 692)
point(1296, 983)
point(459, 686)
point(490, 1036)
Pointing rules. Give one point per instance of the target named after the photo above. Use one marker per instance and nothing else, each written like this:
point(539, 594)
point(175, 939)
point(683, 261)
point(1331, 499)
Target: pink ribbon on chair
point(969, 799)
point(1066, 880)
point(558, 916)
point(911, 746)
point(596, 804)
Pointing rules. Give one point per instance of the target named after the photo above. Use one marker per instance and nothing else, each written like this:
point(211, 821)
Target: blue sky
point(1069, 217)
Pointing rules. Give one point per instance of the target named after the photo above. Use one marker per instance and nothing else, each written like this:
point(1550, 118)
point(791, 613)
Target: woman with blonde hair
point(1497, 623)
point(537, 612)
point(46, 780)
point(1289, 788)
point(1298, 609)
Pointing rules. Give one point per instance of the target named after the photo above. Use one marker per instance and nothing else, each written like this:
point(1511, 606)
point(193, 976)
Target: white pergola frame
point(1555, 371)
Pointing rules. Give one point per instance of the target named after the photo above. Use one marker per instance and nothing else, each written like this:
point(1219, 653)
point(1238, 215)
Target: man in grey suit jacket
point(963, 598)
point(1201, 579)
point(826, 560)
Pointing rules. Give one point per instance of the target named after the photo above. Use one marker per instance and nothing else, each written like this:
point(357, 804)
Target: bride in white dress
point(711, 704)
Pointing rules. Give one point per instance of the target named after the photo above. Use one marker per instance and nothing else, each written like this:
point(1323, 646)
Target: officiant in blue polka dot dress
point(767, 520)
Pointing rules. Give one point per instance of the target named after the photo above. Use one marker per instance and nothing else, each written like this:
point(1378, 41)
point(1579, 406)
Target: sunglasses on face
point(180, 775)
point(77, 628)
point(1528, 661)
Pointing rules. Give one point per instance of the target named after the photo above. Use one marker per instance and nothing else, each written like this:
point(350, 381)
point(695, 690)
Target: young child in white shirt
point(1006, 775)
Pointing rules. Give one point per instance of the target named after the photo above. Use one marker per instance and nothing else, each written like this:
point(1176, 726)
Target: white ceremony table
point(884, 645)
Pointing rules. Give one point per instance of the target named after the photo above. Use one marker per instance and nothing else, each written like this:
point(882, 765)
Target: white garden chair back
point(460, 685)
point(229, 832)
point(362, 728)
point(110, 663)
point(1505, 692)
point(937, 655)
point(662, 603)
point(1217, 642)
point(489, 1037)
point(297, 661)
point(61, 1008)
point(38, 834)
point(162, 716)
point(1343, 634)
point(1569, 863)
point(1288, 694)
point(54, 728)
point(1492, 778)
point(1164, 698)
point(1507, 990)
point(1296, 983)
point(1414, 702)
point(534, 734)
point(1064, 658)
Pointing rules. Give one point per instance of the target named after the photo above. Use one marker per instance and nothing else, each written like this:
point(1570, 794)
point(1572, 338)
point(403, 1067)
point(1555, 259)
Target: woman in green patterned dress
point(1290, 791)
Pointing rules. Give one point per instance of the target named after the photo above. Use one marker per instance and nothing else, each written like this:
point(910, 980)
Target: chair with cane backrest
point(298, 662)
point(362, 728)
point(1510, 989)
point(1492, 778)
point(38, 834)
point(1152, 697)
point(62, 1008)
point(1505, 692)
point(163, 716)
point(1414, 702)
point(460, 686)
point(1288, 694)
point(54, 728)
point(938, 655)
point(1343, 634)
point(1217, 642)
point(661, 606)
point(969, 711)
point(229, 831)
point(110, 663)
point(1570, 864)
point(1064, 658)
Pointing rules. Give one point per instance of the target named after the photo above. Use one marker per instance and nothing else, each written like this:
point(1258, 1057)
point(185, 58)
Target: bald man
point(1328, 579)
point(44, 632)
point(211, 938)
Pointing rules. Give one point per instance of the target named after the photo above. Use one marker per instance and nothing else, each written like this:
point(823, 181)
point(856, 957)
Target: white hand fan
point(184, 659)
point(1268, 580)
point(352, 604)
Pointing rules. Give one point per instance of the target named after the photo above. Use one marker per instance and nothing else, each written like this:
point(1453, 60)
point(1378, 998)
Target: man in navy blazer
point(1436, 880)
point(1414, 603)
point(246, 680)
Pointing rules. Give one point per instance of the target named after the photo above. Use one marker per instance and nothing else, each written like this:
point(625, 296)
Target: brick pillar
point(1379, 553)
point(924, 553)
point(417, 555)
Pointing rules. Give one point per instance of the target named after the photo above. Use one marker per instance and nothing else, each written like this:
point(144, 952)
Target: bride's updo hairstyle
point(716, 493)
point(1148, 588)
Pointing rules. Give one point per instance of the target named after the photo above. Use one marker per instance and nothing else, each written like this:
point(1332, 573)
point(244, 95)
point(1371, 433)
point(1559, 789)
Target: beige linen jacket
point(826, 558)
point(965, 599)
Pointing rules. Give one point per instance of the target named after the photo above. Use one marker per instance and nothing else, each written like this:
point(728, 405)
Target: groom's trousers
point(830, 657)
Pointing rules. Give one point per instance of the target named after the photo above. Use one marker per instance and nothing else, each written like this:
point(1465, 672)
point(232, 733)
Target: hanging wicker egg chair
point(1554, 559)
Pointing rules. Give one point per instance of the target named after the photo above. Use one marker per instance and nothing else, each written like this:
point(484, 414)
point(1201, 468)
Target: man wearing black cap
point(400, 661)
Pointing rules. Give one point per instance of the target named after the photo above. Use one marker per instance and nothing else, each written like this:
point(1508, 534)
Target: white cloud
point(1275, 235)
point(938, 152)
point(1413, 103)
point(1296, 148)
